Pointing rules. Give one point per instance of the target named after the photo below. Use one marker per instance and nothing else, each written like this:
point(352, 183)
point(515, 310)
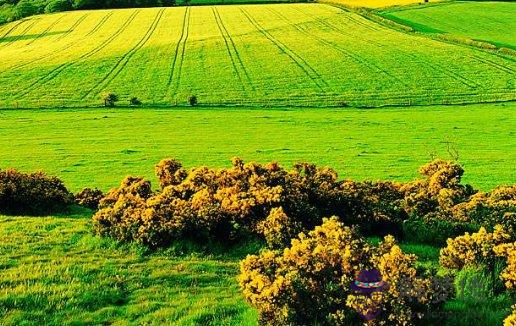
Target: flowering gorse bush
point(89, 198)
point(271, 202)
point(309, 282)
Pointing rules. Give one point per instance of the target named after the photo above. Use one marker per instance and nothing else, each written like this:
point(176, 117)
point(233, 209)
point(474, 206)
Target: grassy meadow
point(55, 272)
point(98, 147)
point(266, 55)
point(486, 21)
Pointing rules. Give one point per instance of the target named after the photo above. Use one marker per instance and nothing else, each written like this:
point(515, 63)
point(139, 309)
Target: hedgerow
point(32, 193)
point(268, 201)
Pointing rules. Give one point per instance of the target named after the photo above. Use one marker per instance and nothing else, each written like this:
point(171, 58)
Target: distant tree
point(109, 99)
point(135, 101)
point(58, 5)
point(193, 100)
point(26, 8)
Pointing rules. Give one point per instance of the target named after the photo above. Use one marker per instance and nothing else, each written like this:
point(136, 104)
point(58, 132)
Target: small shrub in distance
point(33, 193)
point(109, 99)
point(89, 198)
point(135, 101)
point(192, 100)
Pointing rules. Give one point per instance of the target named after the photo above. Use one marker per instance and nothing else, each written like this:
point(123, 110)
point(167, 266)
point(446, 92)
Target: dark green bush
point(33, 193)
point(58, 5)
point(435, 232)
point(89, 198)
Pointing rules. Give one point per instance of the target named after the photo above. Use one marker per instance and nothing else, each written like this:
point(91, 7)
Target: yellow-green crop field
point(266, 55)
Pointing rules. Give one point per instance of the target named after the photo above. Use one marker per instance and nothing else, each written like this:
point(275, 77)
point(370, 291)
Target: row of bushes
point(11, 10)
point(276, 204)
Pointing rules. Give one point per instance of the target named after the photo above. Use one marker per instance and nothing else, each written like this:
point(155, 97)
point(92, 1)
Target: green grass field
point(98, 147)
point(492, 22)
point(258, 55)
point(54, 272)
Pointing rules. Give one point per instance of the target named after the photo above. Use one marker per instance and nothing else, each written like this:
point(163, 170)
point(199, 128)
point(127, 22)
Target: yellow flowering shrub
point(511, 319)
point(473, 249)
point(508, 275)
point(309, 282)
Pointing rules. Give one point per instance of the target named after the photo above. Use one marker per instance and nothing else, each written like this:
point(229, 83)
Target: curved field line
point(300, 62)
point(33, 22)
point(65, 47)
point(101, 22)
point(73, 27)
point(494, 64)
point(46, 30)
point(217, 20)
point(362, 61)
point(56, 71)
point(122, 62)
point(12, 28)
point(180, 44)
point(453, 75)
point(235, 50)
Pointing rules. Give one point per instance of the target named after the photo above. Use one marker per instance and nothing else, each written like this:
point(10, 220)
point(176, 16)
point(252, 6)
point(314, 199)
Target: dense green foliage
point(488, 21)
point(261, 56)
point(96, 147)
point(33, 193)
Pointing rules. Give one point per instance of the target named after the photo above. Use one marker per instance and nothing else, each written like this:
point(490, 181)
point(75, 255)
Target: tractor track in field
point(23, 33)
point(435, 67)
point(73, 27)
point(124, 60)
point(311, 73)
point(46, 30)
point(233, 54)
point(12, 28)
point(57, 70)
point(175, 72)
point(494, 64)
point(64, 48)
point(99, 25)
point(360, 60)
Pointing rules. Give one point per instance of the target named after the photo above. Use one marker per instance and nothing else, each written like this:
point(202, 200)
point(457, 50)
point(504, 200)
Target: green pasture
point(310, 55)
point(98, 147)
point(488, 21)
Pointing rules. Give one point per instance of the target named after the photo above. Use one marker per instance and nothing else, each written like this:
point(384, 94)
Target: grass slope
point(284, 54)
point(54, 272)
point(377, 3)
point(492, 22)
point(97, 147)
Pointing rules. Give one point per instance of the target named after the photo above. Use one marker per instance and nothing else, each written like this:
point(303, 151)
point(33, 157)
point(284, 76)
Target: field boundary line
point(181, 43)
point(298, 60)
point(56, 71)
point(122, 62)
point(225, 36)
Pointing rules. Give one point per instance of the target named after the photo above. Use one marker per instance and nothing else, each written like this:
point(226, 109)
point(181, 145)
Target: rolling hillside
point(492, 22)
point(286, 54)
